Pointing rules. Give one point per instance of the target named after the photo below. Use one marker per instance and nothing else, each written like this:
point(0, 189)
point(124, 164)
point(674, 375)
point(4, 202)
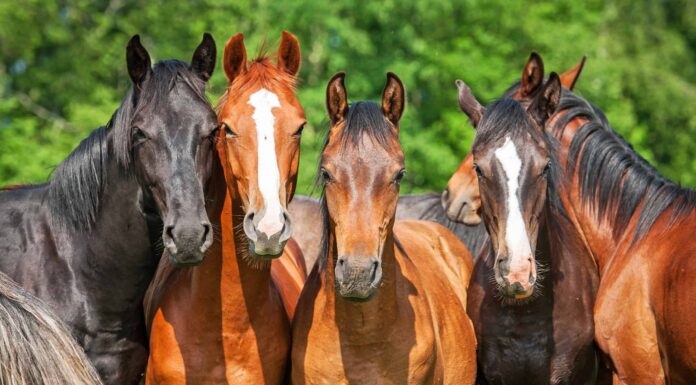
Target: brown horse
point(224, 321)
point(387, 302)
point(639, 227)
point(457, 207)
point(533, 326)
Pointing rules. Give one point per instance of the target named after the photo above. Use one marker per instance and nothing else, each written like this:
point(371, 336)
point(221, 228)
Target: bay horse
point(533, 286)
point(637, 225)
point(457, 207)
point(224, 322)
point(386, 303)
point(35, 346)
point(88, 241)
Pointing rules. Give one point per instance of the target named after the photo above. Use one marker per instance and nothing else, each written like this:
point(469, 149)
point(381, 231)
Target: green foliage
point(62, 67)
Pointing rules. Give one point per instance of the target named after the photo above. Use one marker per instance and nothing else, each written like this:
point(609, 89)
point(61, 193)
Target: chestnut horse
point(387, 302)
point(534, 319)
point(457, 207)
point(224, 321)
point(639, 227)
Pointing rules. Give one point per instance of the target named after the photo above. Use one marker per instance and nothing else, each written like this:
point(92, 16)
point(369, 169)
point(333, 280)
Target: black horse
point(88, 241)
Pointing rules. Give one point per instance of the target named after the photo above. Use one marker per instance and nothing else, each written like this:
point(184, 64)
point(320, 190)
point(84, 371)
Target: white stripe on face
point(518, 245)
point(264, 101)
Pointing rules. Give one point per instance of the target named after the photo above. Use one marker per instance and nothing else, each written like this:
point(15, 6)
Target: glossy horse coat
point(224, 322)
point(533, 289)
point(35, 346)
point(387, 302)
point(457, 207)
point(639, 228)
point(88, 242)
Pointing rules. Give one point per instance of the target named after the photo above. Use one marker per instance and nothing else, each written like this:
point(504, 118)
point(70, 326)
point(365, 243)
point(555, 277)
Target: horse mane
point(260, 71)
point(362, 118)
point(35, 346)
point(614, 179)
point(76, 185)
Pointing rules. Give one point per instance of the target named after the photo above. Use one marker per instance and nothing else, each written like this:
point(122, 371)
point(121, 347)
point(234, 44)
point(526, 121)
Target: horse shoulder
point(443, 265)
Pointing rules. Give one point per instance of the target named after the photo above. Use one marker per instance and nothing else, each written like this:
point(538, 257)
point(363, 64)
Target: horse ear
point(337, 98)
point(393, 99)
point(203, 61)
point(546, 103)
point(468, 103)
point(138, 61)
point(234, 57)
point(289, 57)
point(533, 75)
point(571, 76)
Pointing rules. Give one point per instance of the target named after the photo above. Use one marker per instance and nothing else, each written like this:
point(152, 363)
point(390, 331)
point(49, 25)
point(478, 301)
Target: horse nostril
point(206, 231)
point(169, 231)
point(341, 262)
point(373, 272)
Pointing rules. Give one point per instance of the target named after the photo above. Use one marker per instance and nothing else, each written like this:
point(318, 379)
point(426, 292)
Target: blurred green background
point(63, 73)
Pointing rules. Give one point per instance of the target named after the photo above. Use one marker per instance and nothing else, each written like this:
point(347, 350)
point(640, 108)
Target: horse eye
point(546, 169)
point(298, 133)
point(477, 169)
point(399, 176)
point(138, 135)
point(325, 175)
point(228, 131)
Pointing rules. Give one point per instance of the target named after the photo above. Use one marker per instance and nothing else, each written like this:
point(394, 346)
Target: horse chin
point(190, 260)
point(356, 295)
point(509, 292)
point(267, 251)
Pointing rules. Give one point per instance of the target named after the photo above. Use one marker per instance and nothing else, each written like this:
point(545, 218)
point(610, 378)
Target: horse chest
point(516, 348)
point(404, 352)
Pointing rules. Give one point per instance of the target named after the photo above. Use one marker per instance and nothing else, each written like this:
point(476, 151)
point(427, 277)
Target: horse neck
point(241, 283)
point(370, 319)
point(596, 235)
point(121, 257)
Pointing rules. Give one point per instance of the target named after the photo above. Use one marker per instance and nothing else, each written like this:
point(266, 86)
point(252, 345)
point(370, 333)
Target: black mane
point(614, 179)
point(76, 186)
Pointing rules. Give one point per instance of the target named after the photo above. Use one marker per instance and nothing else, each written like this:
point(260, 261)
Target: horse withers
point(88, 241)
point(386, 302)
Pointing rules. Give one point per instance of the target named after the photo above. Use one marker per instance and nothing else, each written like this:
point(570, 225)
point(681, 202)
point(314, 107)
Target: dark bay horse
point(88, 242)
point(533, 287)
point(35, 346)
point(457, 207)
point(387, 302)
point(227, 321)
point(639, 227)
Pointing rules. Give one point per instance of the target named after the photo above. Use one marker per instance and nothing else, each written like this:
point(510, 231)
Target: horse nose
point(187, 242)
point(267, 236)
point(519, 277)
point(358, 277)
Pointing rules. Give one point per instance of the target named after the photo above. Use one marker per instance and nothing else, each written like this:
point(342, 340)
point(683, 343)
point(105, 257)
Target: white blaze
point(264, 101)
point(518, 244)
